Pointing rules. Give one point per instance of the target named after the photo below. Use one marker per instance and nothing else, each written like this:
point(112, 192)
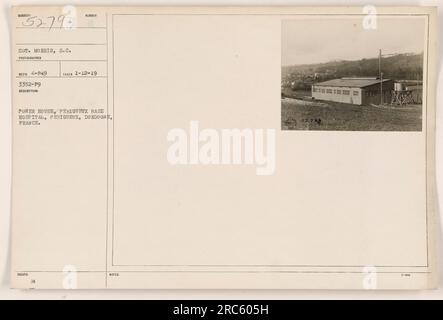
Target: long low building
point(359, 91)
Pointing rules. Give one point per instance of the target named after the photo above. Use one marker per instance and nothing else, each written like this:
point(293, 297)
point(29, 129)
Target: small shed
point(356, 90)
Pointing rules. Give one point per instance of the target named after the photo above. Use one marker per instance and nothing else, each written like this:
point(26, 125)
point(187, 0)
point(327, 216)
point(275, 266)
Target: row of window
point(335, 91)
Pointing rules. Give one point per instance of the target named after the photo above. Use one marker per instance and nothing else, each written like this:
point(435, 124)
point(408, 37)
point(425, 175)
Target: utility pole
point(381, 77)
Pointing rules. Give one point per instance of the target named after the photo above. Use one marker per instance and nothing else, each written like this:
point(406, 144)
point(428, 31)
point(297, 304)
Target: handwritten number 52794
point(50, 21)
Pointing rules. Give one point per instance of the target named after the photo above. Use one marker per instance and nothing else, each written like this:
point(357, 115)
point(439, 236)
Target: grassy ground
point(298, 114)
point(299, 94)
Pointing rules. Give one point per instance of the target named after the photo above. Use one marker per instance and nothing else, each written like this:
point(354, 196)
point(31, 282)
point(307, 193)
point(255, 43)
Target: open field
point(298, 114)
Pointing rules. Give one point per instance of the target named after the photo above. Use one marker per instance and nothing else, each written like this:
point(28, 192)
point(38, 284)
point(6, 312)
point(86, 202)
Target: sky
point(316, 40)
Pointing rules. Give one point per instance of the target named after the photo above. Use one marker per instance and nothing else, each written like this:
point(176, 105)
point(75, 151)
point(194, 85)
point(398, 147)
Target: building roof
point(351, 82)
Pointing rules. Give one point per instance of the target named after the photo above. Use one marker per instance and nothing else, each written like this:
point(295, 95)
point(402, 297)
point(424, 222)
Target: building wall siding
point(371, 94)
point(357, 96)
point(338, 94)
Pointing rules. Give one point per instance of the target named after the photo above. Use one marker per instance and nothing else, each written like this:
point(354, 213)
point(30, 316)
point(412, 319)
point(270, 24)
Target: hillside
point(397, 67)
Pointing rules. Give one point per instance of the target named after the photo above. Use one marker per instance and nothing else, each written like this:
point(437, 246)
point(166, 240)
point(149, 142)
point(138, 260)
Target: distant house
point(359, 91)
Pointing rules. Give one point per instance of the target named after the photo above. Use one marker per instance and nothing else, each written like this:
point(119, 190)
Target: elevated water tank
point(398, 86)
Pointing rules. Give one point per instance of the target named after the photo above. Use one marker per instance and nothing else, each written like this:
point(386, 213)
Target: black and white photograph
point(342, 74)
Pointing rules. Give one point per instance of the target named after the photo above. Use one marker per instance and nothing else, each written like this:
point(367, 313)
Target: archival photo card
point(348, 73)
point(151, 148)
